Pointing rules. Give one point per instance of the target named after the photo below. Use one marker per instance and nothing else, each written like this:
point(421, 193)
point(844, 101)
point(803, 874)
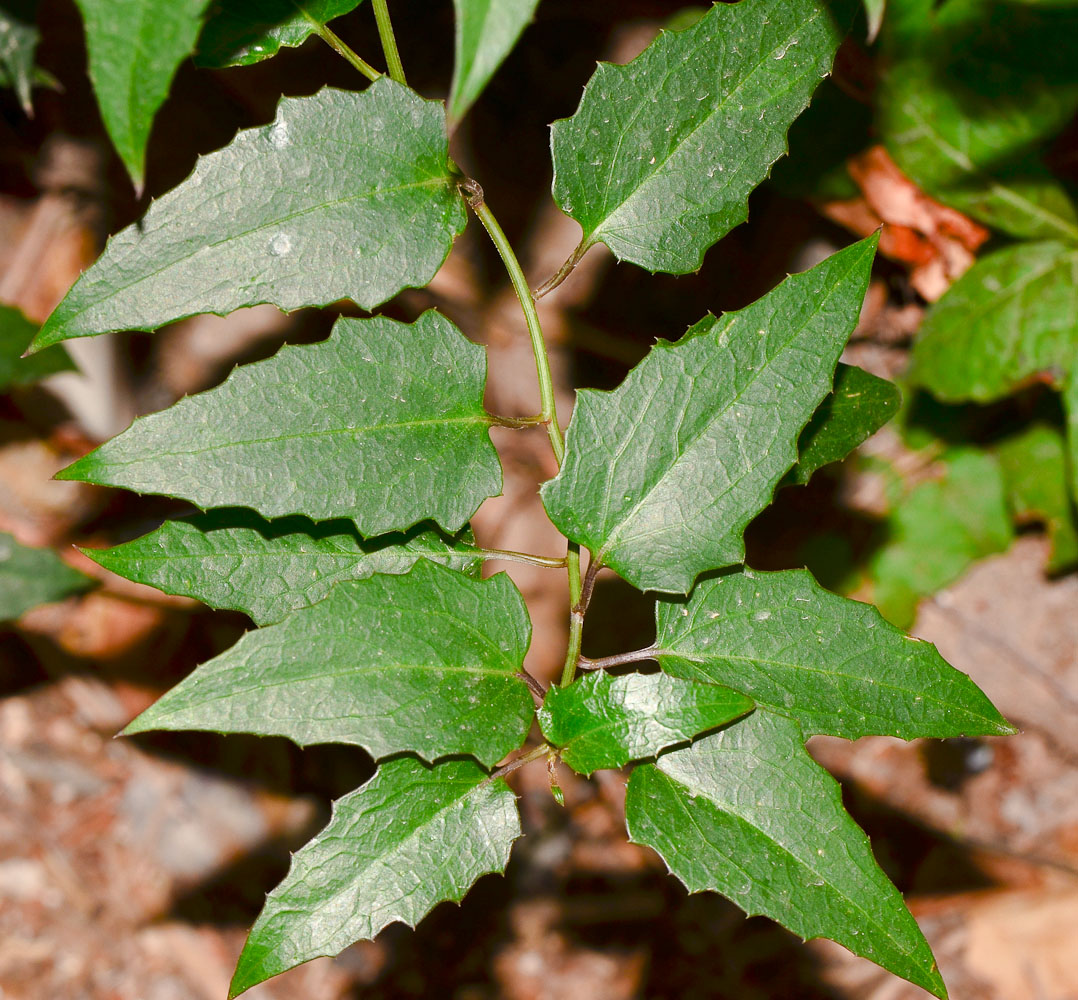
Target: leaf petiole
point(389, 41)
point(508, 555)
point(603, 662)
point(335, 42)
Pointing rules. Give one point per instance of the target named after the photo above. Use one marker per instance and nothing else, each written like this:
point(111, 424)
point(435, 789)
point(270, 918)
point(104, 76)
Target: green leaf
point(1012, 315)
point(1034, 467)
point(660, 157)
point(425, 662)
point(232, 558)
point(974, 89)
point(662, 474)
point(134, 49)
point(242, 32)
point(16, 332)
point(831, 664)
point(344, 195)
point(18, 44)
point(874, 11)
point(601, 721)
point(411, 837)
point(938, 531)
point(858, 406)
point(382, 423)
point(746, 812)
point(486, 31)
point(29, 577)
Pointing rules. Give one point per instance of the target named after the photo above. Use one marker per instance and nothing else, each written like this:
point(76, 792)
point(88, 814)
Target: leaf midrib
point(481, 420)
point(785, 711)
point(801, 863)
point(960, 159)
point(836, 286)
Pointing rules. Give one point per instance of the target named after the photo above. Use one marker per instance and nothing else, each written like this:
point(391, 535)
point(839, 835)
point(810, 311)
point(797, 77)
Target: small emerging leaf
point(410, 838)
point(659, 159)
point(16, 332)
point(344, 195)
point(29, 577)
point(746, 812)
point(242, 32)
point(831, 664)
point(382, 423)
point(874, 11)
point(425, 662)
point(859, 405)
point(662, 475)
point(601, 721)
point(486, 31)
point(232, 558)
point(135, 48)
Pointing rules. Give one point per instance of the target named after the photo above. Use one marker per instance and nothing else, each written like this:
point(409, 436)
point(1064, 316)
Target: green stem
point(548, 409)
point(335, 42)
point(543, 750)
point(508, 555)
point(576, 616)
point(389, 42)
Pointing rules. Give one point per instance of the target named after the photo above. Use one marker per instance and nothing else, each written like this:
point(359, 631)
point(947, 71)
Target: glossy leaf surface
point(831, 664)
point(662, 474)
point(937, 531)
point(424, 662)
point(746, 812)
point(410, 838)
point(604, 721)
point(134, 49)
point(1012, 315)
point(232, 558)
point(858, 406)
point(382, 423)
point(29, 577)
point(16, 332)
point(660, 157)
point(486, 31)
point(344, 195)
point(242, 32)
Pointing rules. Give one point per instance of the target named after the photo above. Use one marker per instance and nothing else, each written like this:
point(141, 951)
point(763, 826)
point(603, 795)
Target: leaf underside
point(243, 32)
point(486, 31)
point(343, 196)
point(601, 721)
point(29, 577)
point(660, 157)
point(858, 406)
point(831, 664)
point(425, 662)
point(662, 474)
point(134, 49)
point(382, 423)
point(411, 837)
point(233, 558)
point(746, 812)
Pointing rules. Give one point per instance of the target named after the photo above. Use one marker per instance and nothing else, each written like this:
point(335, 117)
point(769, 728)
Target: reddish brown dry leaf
point(937, 242)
